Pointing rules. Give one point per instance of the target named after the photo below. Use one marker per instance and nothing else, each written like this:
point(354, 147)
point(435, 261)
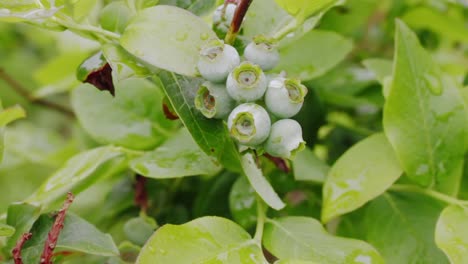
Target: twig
point(141, 196)
point(52, 237)
point(19, 246)
point(21, 90)
point(236, 23)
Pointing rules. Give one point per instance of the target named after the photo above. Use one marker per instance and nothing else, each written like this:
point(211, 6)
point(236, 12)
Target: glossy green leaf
point(305, 239)
point(259, 182)
point(203, 240)
point(212, 136)
point(6, 230)
point(133, 119)
point(451, 234)
point(424, 117)
point(76, 172)
point(243, 204)
point(167, 37)
point(362, 173)
point(178, 157)
point(77, 235)
point(123, 64)
point(21, 216)
point(314, 54)
point(401, 226)
point(303, 9)
point(381, 68)
point(308, 167)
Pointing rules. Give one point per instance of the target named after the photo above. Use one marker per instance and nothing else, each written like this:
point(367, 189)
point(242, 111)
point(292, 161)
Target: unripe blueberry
point(246, 83)
point(217, 60)
point(249, 124)
point(284, 97)
point(262, 51)
point(213, 101)
point(285, 139)
point(222, 16)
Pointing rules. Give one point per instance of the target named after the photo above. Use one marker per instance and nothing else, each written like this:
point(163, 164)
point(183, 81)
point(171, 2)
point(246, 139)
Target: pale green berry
point(217, 60)
point(262, 51)
point(285, 139)
point(213, 101)
point(249, 124)
point(246, 83)
point(222, 16)
point(284, 97)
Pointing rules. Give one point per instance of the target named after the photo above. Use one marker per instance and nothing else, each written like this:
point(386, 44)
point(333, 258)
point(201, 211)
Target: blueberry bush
point(237, 131)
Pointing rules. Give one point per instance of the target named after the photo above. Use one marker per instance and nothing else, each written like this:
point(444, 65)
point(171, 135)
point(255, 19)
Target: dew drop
point(181, 36)
point(433, 84)
point(204, 36)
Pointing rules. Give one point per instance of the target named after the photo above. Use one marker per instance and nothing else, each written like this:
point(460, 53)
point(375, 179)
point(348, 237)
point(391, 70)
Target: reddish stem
point(236, 23)
point(141, 196)
point(52, 237)
point(19, 245)
point(279, 162)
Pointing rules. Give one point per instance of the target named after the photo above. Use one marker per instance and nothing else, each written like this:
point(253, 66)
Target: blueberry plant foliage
point(237, 131)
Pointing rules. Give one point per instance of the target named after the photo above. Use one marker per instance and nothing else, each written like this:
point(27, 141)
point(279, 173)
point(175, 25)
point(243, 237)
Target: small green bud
point(285, 139)
point(246, 83)
point(217, 60)
point(249, 124)
point(213, 100)
point(284, 97)
point(262, 51)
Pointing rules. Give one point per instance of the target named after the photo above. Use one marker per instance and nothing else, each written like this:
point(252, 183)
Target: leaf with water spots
point(242, 203)
point(313, 54)
point(304, 238)
point(451, 234)
point(204, 240)
point(178, 157)
point(424, 117)
point(362, 173)
point(167, 37)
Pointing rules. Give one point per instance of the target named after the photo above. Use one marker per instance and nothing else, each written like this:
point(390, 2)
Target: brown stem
point(19, 245)
point(236, 23)
point(141, 197)
point(52, 237)
point(21, 90)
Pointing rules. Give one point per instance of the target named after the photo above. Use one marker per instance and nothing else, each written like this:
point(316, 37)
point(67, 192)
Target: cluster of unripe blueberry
point(249, 99)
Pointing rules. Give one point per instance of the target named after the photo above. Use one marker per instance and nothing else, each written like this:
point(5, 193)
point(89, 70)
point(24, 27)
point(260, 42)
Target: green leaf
point(21, 216)
point(167, 37)
point(424, 117)
point(7, 116)
point(115, 16)
point(362, 173)
point(123, 64)
point(451, 234)
point(201, 7)
point(260, 183)
point(313, 55)
point(203, 240)
point(24, 10)
point(77, 235)
point(74, 174)
point(133, 119)
point(447, 26)
point(212, 136)
point(401, 227)
point(6, 230)
point(308, 167)
point(139, 229)
point(242, 203)
point(305, 239)
point(178, 157)
point(381, 68)
point(303, 9)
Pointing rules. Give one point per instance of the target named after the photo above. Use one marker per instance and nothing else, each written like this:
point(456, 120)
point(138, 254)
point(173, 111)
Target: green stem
point(98, 32)
point(288, 28)
point(431, 193)
point(260, 221)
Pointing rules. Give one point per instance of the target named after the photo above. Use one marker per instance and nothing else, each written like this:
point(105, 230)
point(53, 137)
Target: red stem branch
point(236, 23)
point(141, 196)
point(52, 237)
point(19, 245)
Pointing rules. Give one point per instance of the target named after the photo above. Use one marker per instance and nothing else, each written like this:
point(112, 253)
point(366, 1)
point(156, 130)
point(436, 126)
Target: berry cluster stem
point(236, 23)
point(19, 246)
